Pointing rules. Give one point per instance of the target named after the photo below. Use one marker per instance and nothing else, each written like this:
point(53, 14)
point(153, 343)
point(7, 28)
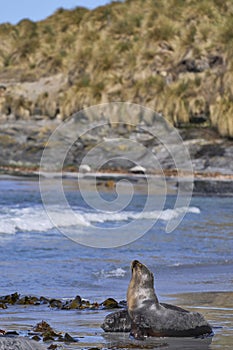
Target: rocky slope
point(174, 57)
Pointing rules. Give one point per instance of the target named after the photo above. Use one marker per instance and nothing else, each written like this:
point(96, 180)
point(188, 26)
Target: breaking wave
point(13, 220)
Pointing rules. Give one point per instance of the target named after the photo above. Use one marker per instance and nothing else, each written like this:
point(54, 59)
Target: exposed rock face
point(22, 142)
point(112, 148)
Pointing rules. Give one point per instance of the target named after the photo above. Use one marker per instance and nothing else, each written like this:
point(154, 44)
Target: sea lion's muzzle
point(134, 264)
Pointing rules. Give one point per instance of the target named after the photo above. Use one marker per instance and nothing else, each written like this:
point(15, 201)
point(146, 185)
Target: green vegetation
point(173, 56)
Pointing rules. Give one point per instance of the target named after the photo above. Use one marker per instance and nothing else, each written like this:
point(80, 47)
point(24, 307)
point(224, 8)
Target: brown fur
point(150, 318)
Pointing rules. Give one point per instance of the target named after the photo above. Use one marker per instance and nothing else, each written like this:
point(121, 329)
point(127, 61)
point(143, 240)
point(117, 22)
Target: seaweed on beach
point(43, 332)
point(71, 304)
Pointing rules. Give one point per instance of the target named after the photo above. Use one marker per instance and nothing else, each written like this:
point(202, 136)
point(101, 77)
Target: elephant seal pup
point(149, 318)
point(117, 322)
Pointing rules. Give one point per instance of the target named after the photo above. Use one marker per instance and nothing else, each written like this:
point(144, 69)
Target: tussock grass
point(174, 56)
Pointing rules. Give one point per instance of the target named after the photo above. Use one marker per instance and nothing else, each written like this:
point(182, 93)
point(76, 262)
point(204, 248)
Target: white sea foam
point(35, 218)
point(23, 219)
point(166, 215)
point(118, 272)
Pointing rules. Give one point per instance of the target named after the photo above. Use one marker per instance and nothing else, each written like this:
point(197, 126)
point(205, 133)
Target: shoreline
point(72, 172)
point(84, 327)
point(204, 183)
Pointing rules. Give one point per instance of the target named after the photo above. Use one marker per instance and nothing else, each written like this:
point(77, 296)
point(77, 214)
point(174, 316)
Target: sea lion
point(148, 317)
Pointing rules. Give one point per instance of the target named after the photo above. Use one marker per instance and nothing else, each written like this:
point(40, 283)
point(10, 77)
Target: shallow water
point(85, 325)
point(195, 259)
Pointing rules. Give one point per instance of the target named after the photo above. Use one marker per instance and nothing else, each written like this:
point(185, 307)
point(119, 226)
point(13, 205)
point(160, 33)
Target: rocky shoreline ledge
point(22, 144)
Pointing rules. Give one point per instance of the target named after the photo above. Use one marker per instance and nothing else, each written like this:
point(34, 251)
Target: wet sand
point(217, 307)
point(84, 325)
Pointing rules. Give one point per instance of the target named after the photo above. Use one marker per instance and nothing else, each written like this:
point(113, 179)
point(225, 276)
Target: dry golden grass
point(174, 56)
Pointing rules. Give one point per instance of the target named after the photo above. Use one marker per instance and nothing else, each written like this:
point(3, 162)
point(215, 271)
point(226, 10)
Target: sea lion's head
point(141, 286)
point(141, 275)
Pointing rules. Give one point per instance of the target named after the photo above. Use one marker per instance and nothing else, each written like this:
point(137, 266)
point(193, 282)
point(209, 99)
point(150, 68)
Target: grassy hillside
point(173, 56)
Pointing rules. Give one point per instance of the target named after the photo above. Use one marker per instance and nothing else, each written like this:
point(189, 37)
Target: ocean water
point(37, 259)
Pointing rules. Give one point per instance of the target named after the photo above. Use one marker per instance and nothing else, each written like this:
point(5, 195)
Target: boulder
point(15, 343)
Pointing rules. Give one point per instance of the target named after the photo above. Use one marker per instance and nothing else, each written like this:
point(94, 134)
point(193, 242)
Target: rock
point(76, 303)
point(36, 338)
point(22, 143)
point(48, 334)
point(55, 303)
point(215, 60)
point(110, 303)
point(10, 333)
point(14, 343)
point(48, 337)
point(193, 65)
point(123, 303)
point(28, 300)
point(10, 299)
point(138, 169)
point(67, 338)
point(44, 300)
point(3, 305)
point(213, 187)
point(43, 327)
point(84, 168)
point(210, 150)
point(198, 118)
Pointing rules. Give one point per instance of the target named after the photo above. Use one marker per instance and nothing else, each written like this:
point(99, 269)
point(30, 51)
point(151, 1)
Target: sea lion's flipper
point(140, 328)
point(174, 307)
